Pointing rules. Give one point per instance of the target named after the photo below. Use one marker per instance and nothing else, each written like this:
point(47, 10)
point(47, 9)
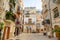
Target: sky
point(33, 3)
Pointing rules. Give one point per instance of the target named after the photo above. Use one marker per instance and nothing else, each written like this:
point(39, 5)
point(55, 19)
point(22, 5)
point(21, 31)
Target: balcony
point(56, 1)
point(47, 21)
point(10, 16)
point(45, 10)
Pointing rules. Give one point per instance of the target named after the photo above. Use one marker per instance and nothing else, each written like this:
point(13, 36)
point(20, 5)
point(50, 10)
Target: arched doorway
point(28, 29)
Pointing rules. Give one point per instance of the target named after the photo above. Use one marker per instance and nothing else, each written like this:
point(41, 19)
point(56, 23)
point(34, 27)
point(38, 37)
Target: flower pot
point(58, 38)
point(57, 34)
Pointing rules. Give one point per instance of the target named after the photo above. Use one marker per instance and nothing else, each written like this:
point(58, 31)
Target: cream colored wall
point(12, 30)
point(1, 10)
point(39, 20)
point(55, 21)
point(6, 5)
point(2, 14)
point(25, 30)
point(32, 15)
point(30, 10)
point(52, 6)
point(44, 2)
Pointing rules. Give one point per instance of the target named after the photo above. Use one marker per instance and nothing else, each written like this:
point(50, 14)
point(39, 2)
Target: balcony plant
point(57, 32)
point(12, 2)
point(10, 16)
point(1, 28)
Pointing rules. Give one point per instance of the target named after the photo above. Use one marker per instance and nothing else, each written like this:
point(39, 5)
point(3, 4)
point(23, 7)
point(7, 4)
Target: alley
point(31, 36)
point(27, 19)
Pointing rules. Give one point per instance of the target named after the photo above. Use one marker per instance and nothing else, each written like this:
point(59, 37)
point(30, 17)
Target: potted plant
point(10, 16)
point(57, 32)
point(1, 27)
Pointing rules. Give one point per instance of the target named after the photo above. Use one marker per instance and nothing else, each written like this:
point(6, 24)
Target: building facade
point(32, 19)
point(8, 7)
point(51, 11)
point(18, 12)
point(16, 8)
point(1, 10)
point(39, 19)
point(1, 17)
point(29, 19)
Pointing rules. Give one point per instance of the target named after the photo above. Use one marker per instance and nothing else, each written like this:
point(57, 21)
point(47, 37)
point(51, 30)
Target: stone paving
point(31, 36)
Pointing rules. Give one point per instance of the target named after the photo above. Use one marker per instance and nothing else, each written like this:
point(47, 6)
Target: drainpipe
point(50, 17)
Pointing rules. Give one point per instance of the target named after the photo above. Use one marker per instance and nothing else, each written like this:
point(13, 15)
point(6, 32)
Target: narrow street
point(29, 19)
point(31, 36)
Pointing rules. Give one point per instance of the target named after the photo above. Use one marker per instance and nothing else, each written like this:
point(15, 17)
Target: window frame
point(55, 11)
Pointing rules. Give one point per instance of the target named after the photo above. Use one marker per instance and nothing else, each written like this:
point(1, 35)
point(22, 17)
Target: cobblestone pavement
point(31, 36)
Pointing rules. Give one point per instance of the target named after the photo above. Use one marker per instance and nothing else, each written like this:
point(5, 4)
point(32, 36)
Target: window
point(27, 13)
point(47, 17)
point(56, 13)
point(54, 1)
point(18, 8)
point(45, 6)
point(30, 20)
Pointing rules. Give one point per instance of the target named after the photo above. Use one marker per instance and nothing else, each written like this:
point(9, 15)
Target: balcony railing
point(29, 23)
point(47, 21)
point(56, 1)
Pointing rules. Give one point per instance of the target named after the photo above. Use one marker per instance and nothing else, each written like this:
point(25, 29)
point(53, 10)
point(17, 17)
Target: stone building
point(7, 30)
point(29, 19)
point(39, 19)
point(32, 19)
point(1, 16)
point(51, 11)
point(9, 25)
point(1, 10)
